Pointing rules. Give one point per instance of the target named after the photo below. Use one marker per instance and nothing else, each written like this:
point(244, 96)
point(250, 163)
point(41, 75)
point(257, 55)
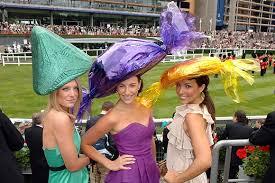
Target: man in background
point(33, 137)
point(10, 140)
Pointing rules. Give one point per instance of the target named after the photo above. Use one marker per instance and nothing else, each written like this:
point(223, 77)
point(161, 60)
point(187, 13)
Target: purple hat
point(132, 57)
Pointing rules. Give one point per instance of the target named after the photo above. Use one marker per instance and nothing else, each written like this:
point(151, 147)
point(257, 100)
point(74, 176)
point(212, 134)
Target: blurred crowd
point(216, 39)
point(244, 39)
point(6, 28)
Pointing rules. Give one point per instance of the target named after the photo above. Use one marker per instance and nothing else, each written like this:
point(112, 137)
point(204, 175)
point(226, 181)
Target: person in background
point(243, 55)
point(216, 75)
point(229, 56)
point(165, 139)
point(10, 140)
point(23, 126)
point(258, 124)
point(106, 106)
point(266, 136)
point(33, 137)
point(270, 59)
point(239, 129)
point(223, 58)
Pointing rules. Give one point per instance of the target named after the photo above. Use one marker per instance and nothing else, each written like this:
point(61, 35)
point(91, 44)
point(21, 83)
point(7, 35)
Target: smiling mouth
point(127, 98)
point(71, 101)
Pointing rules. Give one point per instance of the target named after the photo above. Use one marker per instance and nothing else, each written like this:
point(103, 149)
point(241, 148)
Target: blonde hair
point(53, 104)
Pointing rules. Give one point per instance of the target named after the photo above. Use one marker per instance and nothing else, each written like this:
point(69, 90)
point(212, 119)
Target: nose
point(127, 91)
point(73, 93)
point(180, 90)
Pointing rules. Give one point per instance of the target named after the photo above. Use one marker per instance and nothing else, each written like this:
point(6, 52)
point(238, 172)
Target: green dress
point(55, 159)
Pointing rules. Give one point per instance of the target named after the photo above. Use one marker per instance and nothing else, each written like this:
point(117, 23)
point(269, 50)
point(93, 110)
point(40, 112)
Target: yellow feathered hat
point(229, 70)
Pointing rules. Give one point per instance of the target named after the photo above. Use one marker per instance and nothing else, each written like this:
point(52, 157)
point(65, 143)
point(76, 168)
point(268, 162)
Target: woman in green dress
point(56, 66)
point(61, 140)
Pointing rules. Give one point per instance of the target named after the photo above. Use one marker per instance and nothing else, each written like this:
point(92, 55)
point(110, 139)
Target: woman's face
point(189, 92)
point(235, 119)
point(67, 95)
point(258, 124)
point(128, 90)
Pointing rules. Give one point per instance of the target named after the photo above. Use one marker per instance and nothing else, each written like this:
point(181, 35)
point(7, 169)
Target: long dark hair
point(241, 117)
point(141, 83)
point(207, 99)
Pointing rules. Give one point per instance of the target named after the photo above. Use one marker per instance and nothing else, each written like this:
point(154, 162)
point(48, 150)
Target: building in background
point(88, 12)
point(244, 15)
point(206, 12)
point(232, 15)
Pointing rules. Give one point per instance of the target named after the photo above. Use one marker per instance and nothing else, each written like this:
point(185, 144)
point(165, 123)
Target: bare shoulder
point(111, 118)
point(59, 119)
point(146, 109)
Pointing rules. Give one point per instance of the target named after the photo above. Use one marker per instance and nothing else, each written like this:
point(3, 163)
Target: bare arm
point(63, 132)
point(103, 126)
point(196, 128)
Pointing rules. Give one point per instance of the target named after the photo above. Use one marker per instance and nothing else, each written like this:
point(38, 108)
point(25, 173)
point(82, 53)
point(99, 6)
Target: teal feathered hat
point(55, 61)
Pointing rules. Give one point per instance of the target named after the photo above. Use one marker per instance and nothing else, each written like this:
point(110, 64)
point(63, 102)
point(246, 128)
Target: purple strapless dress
point(136, 140)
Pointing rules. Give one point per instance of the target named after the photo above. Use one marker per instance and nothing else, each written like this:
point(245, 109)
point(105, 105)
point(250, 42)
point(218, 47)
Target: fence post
point(227, 163)
point(18, 60)
point(215, 156)
point(3, 62)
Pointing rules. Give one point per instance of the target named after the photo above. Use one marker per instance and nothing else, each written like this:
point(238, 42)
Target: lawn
point(18, 99)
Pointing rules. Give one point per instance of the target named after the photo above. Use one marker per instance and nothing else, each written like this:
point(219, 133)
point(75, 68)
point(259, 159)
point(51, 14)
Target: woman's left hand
point(172, 177)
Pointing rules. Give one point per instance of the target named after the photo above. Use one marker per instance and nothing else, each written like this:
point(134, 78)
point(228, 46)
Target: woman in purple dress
point(132, 128)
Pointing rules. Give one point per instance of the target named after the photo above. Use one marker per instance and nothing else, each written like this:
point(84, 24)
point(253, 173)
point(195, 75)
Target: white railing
point(215, 160)
point(25, 57)
point(95, 52)
point(180, 58)
point(16, 58)
point(219, 120)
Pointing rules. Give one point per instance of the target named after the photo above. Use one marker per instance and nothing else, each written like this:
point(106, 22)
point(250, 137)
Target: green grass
point(18, 99)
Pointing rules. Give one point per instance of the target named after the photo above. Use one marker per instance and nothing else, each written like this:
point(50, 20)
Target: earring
point(202, 95)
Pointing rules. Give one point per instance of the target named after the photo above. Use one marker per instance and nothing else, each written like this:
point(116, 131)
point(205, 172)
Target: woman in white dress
point(189, 153)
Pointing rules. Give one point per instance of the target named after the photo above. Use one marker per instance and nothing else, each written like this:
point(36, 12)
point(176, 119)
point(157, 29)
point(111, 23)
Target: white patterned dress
point(180, 153)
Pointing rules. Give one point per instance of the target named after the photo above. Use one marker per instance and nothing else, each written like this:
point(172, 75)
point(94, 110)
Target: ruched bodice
point(136, 140)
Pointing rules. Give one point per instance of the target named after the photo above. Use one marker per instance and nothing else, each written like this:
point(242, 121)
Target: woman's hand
point(172, 177)
point(120, 162)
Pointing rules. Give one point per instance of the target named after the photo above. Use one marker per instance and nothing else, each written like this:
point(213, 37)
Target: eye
point(188, 86)
point(65, 89)
point(76, 88)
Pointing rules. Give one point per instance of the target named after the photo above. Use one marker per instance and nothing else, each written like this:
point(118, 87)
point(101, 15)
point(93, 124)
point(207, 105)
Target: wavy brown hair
point(207, 99)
